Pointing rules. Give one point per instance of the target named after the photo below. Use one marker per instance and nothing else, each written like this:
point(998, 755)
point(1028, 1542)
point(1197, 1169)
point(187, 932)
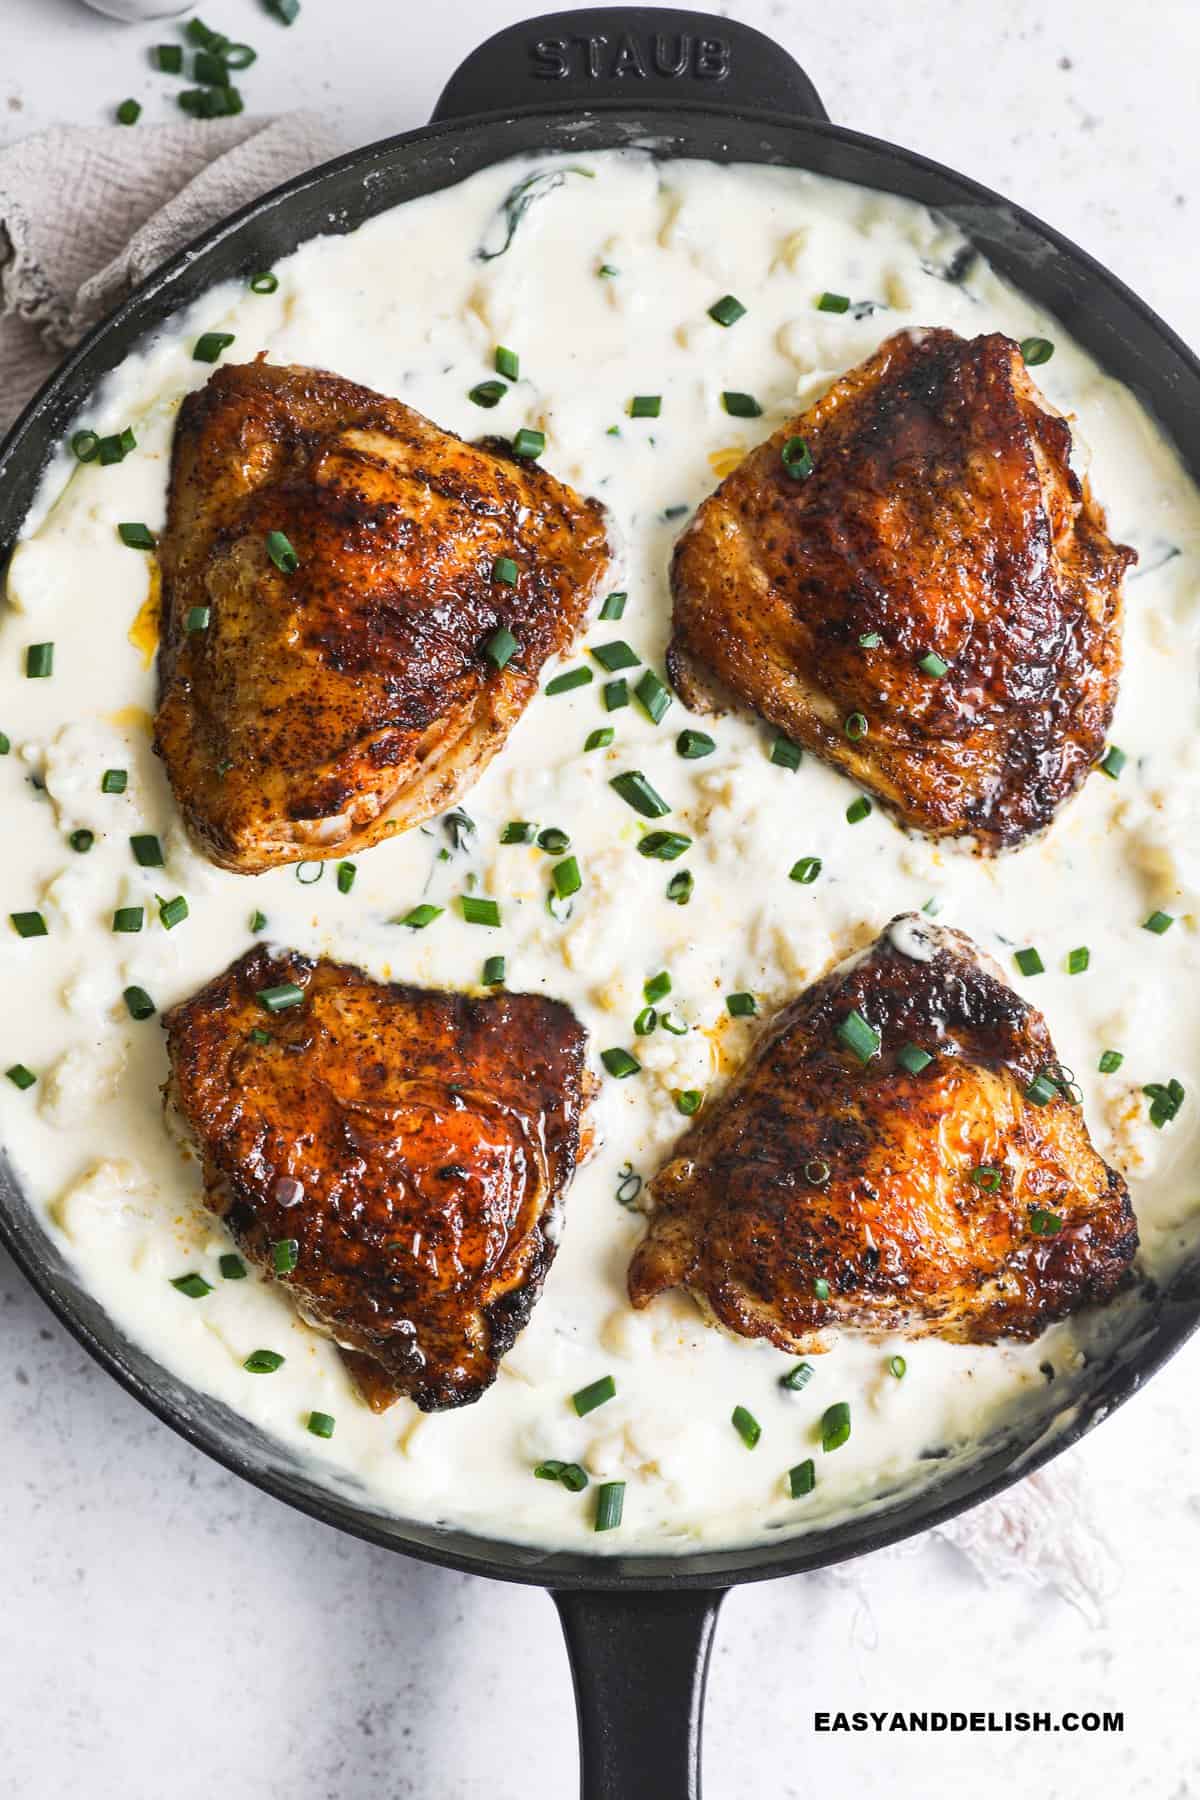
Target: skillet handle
point(640, 1663)
point(629, 54)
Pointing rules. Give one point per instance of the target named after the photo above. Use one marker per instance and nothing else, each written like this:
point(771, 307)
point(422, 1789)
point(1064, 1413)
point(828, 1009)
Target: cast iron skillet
point(638, 1628)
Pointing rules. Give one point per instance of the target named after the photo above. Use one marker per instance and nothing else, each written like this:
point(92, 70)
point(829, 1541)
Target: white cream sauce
point(405, 306)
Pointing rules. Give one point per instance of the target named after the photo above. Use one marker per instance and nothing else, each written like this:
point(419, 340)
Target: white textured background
point(165, 1630)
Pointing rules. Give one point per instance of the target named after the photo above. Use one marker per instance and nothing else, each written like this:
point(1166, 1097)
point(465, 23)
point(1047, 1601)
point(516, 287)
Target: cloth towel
point(87, 214)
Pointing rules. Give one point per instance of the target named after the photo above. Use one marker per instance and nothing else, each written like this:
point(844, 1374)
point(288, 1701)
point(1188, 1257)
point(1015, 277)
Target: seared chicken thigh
point(413, 1146)
point(910, 580)
point(336, 570)
point(902, 1153)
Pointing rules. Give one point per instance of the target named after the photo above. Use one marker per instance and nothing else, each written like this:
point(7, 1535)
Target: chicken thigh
point(410, 1150)
point(902, 1153)
point(356, 609)
point(910, 581)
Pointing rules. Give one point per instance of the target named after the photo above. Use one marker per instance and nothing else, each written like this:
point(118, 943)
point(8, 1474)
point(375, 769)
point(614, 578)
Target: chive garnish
point(664, 846)
point(128, 918)
point(898, 1367)
point(692, 745)
point(870, 640)
point(614, 656)
point(1029, 962)
point(835, 1425)
point(615, 694)
point(645, 406)
point(595, 1394)
point(619, 1063)
point(210, 345)
point(741, 1006)
point(797, 459)
point(172, 912)
point(265, 282)
point(933, 664)
point(673, 1023)
point(746, 1426)
point(285, 1254)
point(258, 1035)
point(1158, 922)
point(797, 1378)
point(232, 1267)
point(346, 872)
point(263, 1362)
point(518, 831)
point(20, 1076)
point(912, 1058)
point(501, 647)
point(138, 1002)
point(653, 696)
point(554, 840)
point(858, 810)
point(740, 406)
point(1112, 762)
point(477, 909)
point(147, 851)
point(637, 792)
point(279, 998)
point(421, 916)
point(528, 444)
point(802, 1479)
point(487, 393)
point(1036, 350)
point(805, 871)
point(137, 536)
point(784, 753)
point(859, 1036)
point(286, 11)
point(507, 363)
point(657, 987)
point(39, 661)
point(114, 781)
point(817, 1171)
point(1110, 1061)
point(129, 112)
point(1078, 960)
point(573, 1478)
point(688, 1101)
point(1165, 1100)
point(504, 570)
point(1044, 1223)
point(987, 1177)
point(1041, 1090)
point(680, 887)
point(727, 310)
point(614, 606)
point(610, 1505)
point(855, 726)
point(169, 58)
point(281, 553)
point(599, 739)
point(82, 840)
point(193, 1285)
point(493, 972)
point(197, 619)
point(570, 678)
point(116, 448)
point(566, 878)
point(321, 1424)
point(550, 1470)
point(820, 1288)
point(29, 924)
point(258, 921)
point(86, 446)
point(833, 303)
point(645, 1022)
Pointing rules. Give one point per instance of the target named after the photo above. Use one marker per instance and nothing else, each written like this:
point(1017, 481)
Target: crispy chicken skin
point(819, 1167)
point(322, 710)
point(416, 1145)
point(942, 516)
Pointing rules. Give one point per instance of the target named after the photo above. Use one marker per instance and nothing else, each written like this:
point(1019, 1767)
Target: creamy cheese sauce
point(603, 291)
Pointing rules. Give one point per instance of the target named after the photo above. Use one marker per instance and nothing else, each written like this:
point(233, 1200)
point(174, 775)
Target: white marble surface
point(165, 1629)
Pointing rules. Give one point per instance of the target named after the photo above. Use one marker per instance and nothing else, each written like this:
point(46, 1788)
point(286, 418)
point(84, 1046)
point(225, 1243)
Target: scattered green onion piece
point(1110, 1061)
point(263, 1362)
point(421, 916)
point(645, 1022)
point(820, 1288)
point(610, 1505)
point(680, 887)
point(1158, 922)
point(147, 851)
point(727, 310)
point(607, 270)
point(741, 1006)
point(797, 1378)
point(574, 1478)
point(116, 448)
point(673, 1023)
point(169, 58)
point(477, 909)
point(805, 871)
point(501, 647)
point(346, 872)
point(528, 444)
point(39, 661)
point(554, 840)
point(934, 665)
point(595, 1394)
point(653, 696)
point(898, 1367)
point(802, 1479)
point(870, 640)
point(197, 619)
point(210, 345)
point(599, 739)
point(746, 1426)
point(86, 446)
point(566, 878)
point(265, 282)
point(785, 754)
point(987, 1177)
point(570, 678)
point(232, 1267)
point(637, 792)
point(645, 406)
point(614, 606)
point(211, 70)
point(128, 918)
point(1113, 761)
point(197, 32)
point(689, 1101)
point(858, 810)
point(279, 998)
point(518, 831)
point(835, 1425)
point(551, 1470)
point(912, 1058)
point(614, 656)
point(796, 458)
point(657, 988)
point(194, 1286)
point(859, 1036)
point(258, 921)
point(507, 363)
point(1078, 960)
point(281, 553)
point(493, 972)
point(29, 924)
point(615, 694)
point(1043, 1223)
point(172, 912)
point(321, 1424)
point(664, 846)
point(740, 406)
point(129, 112)
point(82, 840)
point(114, 781)
point(856, 726)
point(1029, 962)
point(505, 571)
point(487, 393)
point(1041, 1090)
point(138, 1002)
point(258, 1035)
point(1036, 350)
point(285, 1254)
point(286, 11)
point(833, 303)
point(620, 1064)
point(692, 745)
point(20, 1076)
point(817, 1171)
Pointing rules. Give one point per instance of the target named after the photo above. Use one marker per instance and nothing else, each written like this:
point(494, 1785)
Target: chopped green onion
point(114, 781)
point(259, 1036)
point(1165, 1101)
point(599, 739)
point(86, 446)
point(281, 553)
point(147, 851)
point(194, 1286)
point(128, 918)
point(573, 1478)
point(615, 694)
point(619, 1063)
point(797, 459)
point(82, 840)
point(607, 270)
point(487, 393)
point(1110, 1061)
point(1036, 350)
point(856, 726)
point(285, 1254)
point(933, 664)
point(1041, 1090)
point(645, 406)
point(20, 1076)
point(501, 647)
point(657, 987)
point(266, 282)
point(554, 840)
point(664, 846)
point(39, 661)
point(614, 656)
point(507, 363)
point(859, 1037)
point(263, 1362)
point(740, 406)
point(129, 112)
point(688, 1101)
point(211, 69)
point(653, 695)
point(797, 1378)
point(1078, 960)
point(1158, 922)
point(680, 886)
point(232, 1267)
point(645, 1022)
point(528, 444)
point(610, 1505)
point(614, 606)
point(505, 571)
point(898, 1367)
point(116, 448)
point(346, 872)
point(1043, 1223)
point(1113, 761)
point(29, 924)
point(169, 58)
point(570, 678)
point(987, 1177)
point(833, 303)
point(210, 345)
point(493, 972)
point(550, 1470)
point(595, 1394)
point(321, 1424)
point(746, 1426)
point(858, 810)
point(820, 1288)
point(139, 1003)
point(172, 912)
point(478, 910)
point(727, 310)
point(258, 921)
point(566, 878)
point(802, 1479)
point(870, 640)
point(637, 792)
point(197, 619)
point(673, 1023)
point(197, 32)
point(1029, 962)
point(286, 11)
point(692, 745)
point(309, 873)
point(279, 998)
point(835, 1425)
point(741, 1006)
point(785, 754)
point(518, 831)
point(805, 871)
point(912, 1058)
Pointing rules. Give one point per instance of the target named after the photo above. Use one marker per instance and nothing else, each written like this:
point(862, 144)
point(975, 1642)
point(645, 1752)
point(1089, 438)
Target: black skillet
point(638, 1628)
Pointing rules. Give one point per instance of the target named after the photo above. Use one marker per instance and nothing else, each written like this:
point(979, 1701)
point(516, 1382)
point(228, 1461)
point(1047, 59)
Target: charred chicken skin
point(415, 1145)
point(842, 1182)
point(309, 710)
point(910, 581)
